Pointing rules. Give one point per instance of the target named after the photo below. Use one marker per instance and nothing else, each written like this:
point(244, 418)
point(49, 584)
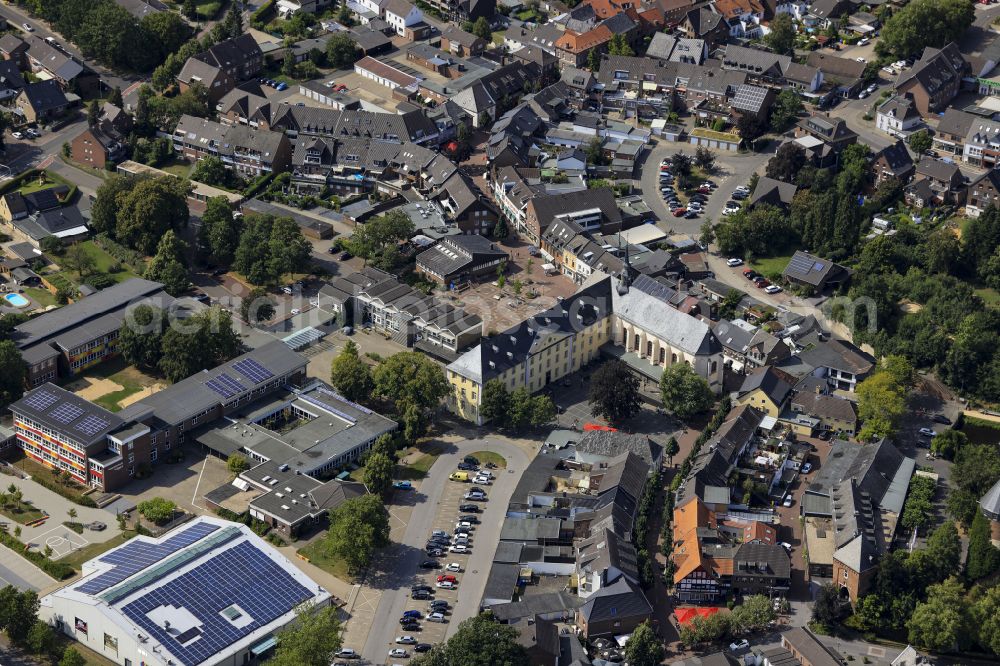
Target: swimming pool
point(17, 300)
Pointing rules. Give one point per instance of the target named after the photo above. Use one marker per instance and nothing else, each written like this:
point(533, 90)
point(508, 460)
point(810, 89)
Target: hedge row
point(58, 570)
point(123, 254)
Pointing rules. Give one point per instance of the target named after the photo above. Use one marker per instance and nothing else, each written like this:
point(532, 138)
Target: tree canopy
point(614, 392)
point(358, 527)
point(269, 248)
point(479, 641)
point(923, 23)
point(201, 341)
point(781, 37)
point(141, 338)
point(350, 375)
point(378, 239)
point(311, 640)
point(684, 392)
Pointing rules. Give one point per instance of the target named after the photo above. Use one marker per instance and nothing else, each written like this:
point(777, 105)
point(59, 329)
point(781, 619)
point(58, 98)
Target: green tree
point(379, 235)
point(705, 159)
point(220, 231)
point(269, 248)
point(828, 608)
point(115, 98)
point(257, 306)
point(350, 375)
point(201, 341)
point(41, 640)
point(233, 23)
point(149, 210)
point(212, 171)
point(705, 629)
point(481, 28)
point(18, 611)
point(920, 142)
point(941, 623)
point(644, 648)
point(923, 23)
point(786, 108)
point(976, 469)
point(72, 658)
point(157, 509)
point(104, 212)
point(672, 449)
point(543, 410)
point(614, 392)
point(595, 151)
point(51, 245)
point(358, 527)
point(500, 230)
point(288, 62)
point(948, 443)
point(781, 37)
point(479, 641)
point(495, 404)
point(169, 32)
point(93, 112)
point(237, 463)
point(140, 339)
point(786, 163)
point(13, 373)
point(618, 46)
point(378, 474)
point(754, 614)
point(593, 60)
point(168, 264)
point(881, 405)
point(410, 378)
point(313, 639)
point(684, 392)
point(341, 51)
point(986, 616)
point(983, 558)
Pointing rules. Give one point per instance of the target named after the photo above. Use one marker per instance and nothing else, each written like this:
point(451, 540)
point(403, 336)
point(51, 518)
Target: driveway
point(406, 556)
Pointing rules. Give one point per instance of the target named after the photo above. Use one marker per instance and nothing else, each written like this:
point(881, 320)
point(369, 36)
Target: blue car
point(402, 485)
point(412, 613)
point(281, 86)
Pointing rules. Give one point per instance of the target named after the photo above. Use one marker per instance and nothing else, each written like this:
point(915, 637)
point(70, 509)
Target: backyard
point(771, 265)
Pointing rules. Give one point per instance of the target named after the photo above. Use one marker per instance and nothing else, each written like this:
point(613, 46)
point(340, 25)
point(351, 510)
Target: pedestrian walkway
point(52, 532)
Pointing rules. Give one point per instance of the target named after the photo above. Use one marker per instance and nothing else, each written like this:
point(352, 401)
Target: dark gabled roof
point(455, 34)
point(840, 355)
point(956, 122)
point(833, 67)
point(60, 64)
point(808, 268)
point(772, 191)
point(901, 107)
point(11, 42)
point(45, 96)
point(232, 52)
point(10, 76)
point(766, 379)
point(936, 68)
point(897, 157)
point(762, 559)
point(824, 406)
point(937, 169)
point(621, 599)
point(547, 207)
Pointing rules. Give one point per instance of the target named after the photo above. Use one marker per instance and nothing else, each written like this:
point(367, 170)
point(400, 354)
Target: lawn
point(104, 261)
point(41, 296)
point(178, 167)
point(991, 297)
point(47, 477)
point(51, 179)
point(208, 10)
point(418, 468)
point(485, 457)
point(770, 265)
point(498, 37)
point(332, 565)
point(24, 514)
point(131, 379)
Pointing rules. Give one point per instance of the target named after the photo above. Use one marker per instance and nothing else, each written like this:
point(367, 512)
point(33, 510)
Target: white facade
point(797, 9)
point(401, 23)
point(98, 620)
point(890, 124)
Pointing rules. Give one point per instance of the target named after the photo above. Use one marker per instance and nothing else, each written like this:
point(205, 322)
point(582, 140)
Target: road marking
point(198, 485)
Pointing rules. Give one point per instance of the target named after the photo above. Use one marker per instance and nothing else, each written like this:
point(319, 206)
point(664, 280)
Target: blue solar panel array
point(41, 400)
point(225, 386)
point(253, 370)
point(242, 575)
point(329, 408)
point(135, 556)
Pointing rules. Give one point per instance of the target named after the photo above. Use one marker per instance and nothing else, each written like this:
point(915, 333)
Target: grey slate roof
point(90, 423)
point(768, 381)
point(621, 599)
point(990, 502)
point(615, 443)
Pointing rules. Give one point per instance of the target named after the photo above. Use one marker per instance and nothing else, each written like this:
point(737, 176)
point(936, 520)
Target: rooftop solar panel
point(224, 391)
point(92, 424)
point(210, 588)
point(66, 412)
point(41, 400)
point(135, 556)
point(253, 370)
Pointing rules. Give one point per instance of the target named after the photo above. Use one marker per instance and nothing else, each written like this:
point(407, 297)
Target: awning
point(263, 646)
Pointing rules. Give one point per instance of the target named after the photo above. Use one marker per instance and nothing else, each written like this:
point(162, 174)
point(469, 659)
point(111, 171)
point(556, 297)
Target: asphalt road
point(395, 584)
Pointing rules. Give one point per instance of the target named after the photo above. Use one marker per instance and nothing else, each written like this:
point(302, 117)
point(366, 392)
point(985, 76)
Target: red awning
point(598, 426)
point(686, 615)
point(451, 146)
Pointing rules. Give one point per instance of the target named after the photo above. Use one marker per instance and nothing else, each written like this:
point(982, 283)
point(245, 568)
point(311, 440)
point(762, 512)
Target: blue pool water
point(17, 300)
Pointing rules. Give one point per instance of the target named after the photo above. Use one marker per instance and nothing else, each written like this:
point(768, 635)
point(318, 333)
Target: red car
point(762, 283)
point(678, 212)
point(340, 88)
point(447, 577)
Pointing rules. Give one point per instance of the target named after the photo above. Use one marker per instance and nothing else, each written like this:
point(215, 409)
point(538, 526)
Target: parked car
point(787, 546)
point(474, 520)
point(17, 135)
point(788, 500)
point(412, 625)
point(434, 552)
point(347, 653)
point(405, 640)
point(462, 524)
point(927, 432)
point(413, 613)
point(402, 485)
point(447, 585)
point(454, 566)
point(475, 497)
point(459, 548)
point(33, 133)
point(679, 212)
point(420, 595)
point(749, 273)
point(398, 652)
point(27, 27)
point(470, 508)
point(430, 564)
point(941, 418)
point(739, 646)
point(437, 617)
point(762, 283)
point(807, 467)
point(422, 647)
point(97, 526)
point(772, 289)
point(444, 577)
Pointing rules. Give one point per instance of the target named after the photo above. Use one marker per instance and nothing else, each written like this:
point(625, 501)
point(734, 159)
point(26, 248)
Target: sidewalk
point(52, 532)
